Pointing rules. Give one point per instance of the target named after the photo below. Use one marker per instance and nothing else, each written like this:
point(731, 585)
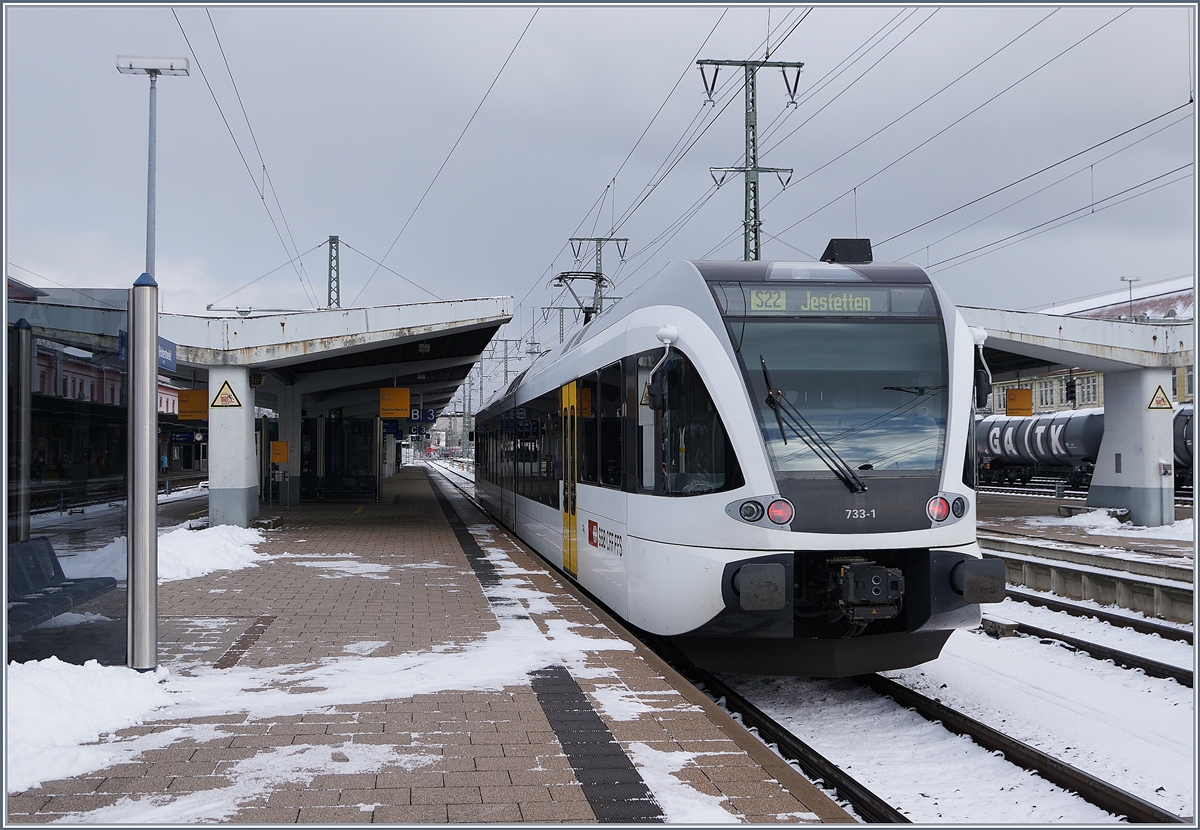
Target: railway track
point(874, 809)
point(1142, 626)
point(866, 803)
point(1152, 668)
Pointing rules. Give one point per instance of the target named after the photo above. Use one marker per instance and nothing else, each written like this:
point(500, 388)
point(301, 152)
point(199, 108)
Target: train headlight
point(938, 509)
point(958, 507)
point(751, 511)
point(780, 511)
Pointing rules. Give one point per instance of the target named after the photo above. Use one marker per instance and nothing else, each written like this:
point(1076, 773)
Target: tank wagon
point(770, 463)
point(1016, 448)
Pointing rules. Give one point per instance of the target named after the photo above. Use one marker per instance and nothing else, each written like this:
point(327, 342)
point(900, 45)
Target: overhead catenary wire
point(957, 121)
point(651, 184)
point(1047, 187)
point(1070, 216)
point(342, 241)
point(445, 161)
point(266, 175)
point(916, 107)
point(1047, 168)
point(878, 39)
point(269, 273)
point(309, 295)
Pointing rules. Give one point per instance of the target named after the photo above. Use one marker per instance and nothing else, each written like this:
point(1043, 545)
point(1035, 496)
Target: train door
point(568, 402)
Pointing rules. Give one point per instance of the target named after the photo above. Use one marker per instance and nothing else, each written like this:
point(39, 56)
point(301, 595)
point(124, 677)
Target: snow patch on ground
point(1099, 522)
point(54, 708)
point(367, 570)
point(620, 703)
point(365, 647)
point(106, 699)
point(1129, 729)
point(680, 802)
point(182, 554)
point(253, 777)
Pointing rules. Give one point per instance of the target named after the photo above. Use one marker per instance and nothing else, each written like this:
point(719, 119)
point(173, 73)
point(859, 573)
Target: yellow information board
point(393, 402)
point(193, 404)
point(279, 452)
point(1018, 402)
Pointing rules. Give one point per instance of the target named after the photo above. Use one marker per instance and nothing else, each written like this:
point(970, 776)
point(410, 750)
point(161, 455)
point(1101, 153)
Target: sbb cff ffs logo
point(599, 537)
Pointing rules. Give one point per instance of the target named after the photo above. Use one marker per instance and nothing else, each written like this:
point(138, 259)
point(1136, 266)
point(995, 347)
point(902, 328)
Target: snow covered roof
point(1172, 298)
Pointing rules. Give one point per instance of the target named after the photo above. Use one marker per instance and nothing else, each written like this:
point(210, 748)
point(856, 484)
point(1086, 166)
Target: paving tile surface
point(388, 579)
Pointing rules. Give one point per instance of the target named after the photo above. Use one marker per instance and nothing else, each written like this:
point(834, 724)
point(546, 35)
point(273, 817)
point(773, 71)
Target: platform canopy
point(342, 357)
point(339, 357)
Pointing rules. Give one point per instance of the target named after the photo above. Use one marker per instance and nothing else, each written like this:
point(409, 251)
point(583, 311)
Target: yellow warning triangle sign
point(1160, 400)
point(225, 396)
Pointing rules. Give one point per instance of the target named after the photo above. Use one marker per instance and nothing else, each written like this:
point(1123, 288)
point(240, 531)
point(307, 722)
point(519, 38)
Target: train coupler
point(868, 592)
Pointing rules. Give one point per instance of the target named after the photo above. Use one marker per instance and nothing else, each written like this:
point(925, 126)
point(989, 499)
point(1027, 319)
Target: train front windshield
point(857, 374)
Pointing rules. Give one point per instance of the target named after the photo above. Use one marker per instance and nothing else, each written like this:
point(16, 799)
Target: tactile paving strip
point(613, 786)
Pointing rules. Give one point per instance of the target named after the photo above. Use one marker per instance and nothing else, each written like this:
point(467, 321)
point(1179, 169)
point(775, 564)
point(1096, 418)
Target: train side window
point(587, 440)
point(696, 454)
point(610, 413)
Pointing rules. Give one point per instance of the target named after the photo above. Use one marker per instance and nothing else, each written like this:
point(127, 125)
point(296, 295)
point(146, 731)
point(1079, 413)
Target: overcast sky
point(354, 111)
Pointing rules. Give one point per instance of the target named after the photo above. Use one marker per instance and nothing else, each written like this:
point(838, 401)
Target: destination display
point(836, 300)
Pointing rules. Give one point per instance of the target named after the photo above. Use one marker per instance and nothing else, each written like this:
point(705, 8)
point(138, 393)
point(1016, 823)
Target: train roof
point(684, 283)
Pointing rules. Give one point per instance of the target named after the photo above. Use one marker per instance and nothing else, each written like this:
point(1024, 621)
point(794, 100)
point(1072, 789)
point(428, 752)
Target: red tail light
point(780, 511)
point(938, 509)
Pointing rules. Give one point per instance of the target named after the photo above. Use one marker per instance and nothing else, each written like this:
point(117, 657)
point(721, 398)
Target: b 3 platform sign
point(422, 416)
point(393, 402)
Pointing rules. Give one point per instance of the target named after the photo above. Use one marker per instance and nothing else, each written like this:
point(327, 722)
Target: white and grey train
point(771, 463)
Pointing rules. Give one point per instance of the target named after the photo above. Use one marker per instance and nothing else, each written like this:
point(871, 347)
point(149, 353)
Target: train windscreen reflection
point(875, 391)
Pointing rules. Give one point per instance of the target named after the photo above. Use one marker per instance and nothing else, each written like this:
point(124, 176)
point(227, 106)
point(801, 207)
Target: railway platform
point(1040, 516)
point(417, 665)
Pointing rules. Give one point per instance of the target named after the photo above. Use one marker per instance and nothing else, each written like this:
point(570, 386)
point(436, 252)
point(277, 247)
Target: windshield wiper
point(809, 435)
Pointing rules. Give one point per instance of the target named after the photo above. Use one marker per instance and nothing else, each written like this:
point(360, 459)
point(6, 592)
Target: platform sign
point(193, 404)
point(1018, 402)
point(422, 416)
point(279, 452)
point(393, 402)
point(417, 430)
point(1160, 400)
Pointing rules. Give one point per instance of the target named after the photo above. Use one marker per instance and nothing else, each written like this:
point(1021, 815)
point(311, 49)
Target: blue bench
point(38, 590)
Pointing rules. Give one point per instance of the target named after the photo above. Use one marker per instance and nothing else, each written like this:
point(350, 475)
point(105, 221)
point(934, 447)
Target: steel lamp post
point(142, 520)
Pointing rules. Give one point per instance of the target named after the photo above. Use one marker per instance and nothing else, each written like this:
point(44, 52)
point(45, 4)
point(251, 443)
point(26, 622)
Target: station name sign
point(165, 352)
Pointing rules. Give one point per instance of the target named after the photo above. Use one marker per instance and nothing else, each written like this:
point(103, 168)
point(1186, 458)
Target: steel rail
point(1142, 626)
point(1153, 668)
point(816, 766)
point(1094, 790)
